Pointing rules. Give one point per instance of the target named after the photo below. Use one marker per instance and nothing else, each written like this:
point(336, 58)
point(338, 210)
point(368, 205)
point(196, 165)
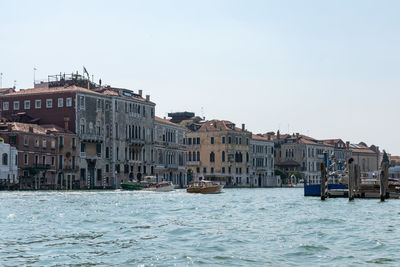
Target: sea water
point(240, 227)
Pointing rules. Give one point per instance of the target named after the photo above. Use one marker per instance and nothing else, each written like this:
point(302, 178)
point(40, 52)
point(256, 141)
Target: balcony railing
point(91, 138)
point(135, 142)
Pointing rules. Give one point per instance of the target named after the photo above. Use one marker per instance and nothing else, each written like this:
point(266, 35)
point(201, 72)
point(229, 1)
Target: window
point(36, 142)
point(229, 140)
point(212, 170)
point(223, 156)
point(68, 102)
point(205, 169)
point(73, 162)
point(26, 141)
point(53, 144)
point(83, 147)
point(60, 102)
point(38, 103)
point(73, 143)
point(27, 104)
point(60, 162)
point(82, 102)
point(16, 105)
point(223, 169)
point(107, 152)
point(49, 103)
point(223, 139)
point(198, 155)
point(5, 159)
point(82, 128)
point(212, 157)
point(52, 161)
point(61, 141)
point(107, 168)
point(212, 140)
point(98, 150)
point(5, 105)
point(44, 160)
point(26, 159)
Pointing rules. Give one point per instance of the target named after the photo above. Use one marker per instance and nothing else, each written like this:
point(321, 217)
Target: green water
point(241, 227)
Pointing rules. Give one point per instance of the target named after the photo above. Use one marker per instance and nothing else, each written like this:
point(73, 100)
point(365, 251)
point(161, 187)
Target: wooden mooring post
point(324, 182)
point(384, 181)
point(350, 167)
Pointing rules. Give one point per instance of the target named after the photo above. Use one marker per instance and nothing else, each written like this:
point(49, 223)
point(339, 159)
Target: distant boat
point(314, 190)
point(164, 186)
point(205, 187)
point(131, 186)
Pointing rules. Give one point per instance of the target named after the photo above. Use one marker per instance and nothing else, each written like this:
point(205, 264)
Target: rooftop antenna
point(202, 113)
point(1, 80)
point(15, 84)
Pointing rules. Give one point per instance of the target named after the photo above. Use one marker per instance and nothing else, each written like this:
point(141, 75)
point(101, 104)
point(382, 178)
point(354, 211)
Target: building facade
point(114, 129)
point(8, 166)
point(170, 152)
point(219, 150)
point(262, 162)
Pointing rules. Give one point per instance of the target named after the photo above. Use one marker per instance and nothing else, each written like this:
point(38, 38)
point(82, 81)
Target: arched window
point(190, 156)
point(82, 126)
point(223, 156)
point(247, 156)
point(5, 159)
point(194, 156)
point(212, 157)
point(198, 155)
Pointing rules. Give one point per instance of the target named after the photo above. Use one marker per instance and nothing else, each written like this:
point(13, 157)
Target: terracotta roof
point(51, 90)
point(219, 125)
point(167, 122)
point(260, 137)
point(25, 127)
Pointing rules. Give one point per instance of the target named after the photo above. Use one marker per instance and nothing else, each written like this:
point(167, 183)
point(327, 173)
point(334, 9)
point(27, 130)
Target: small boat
point(131, 186)
point(205, 187)
point(164, 186)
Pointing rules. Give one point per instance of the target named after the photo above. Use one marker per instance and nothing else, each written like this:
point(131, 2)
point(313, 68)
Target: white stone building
point(8, 166)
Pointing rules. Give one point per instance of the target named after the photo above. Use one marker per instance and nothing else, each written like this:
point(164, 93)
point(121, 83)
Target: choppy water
point(241, 227)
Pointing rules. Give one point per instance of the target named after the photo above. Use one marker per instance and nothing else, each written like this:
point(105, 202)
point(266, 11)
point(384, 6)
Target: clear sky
point(329, 69)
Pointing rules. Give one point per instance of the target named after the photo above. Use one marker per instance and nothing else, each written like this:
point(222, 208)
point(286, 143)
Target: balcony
point(193, 163)
point(91, 138)
point(70, 168)
point(135, 142)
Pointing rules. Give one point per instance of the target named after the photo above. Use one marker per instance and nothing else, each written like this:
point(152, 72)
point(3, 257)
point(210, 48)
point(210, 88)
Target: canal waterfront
point(240, 227)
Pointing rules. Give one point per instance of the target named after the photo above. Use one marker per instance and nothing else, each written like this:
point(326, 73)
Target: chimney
point(9, 127)
point(243, 127)
point(147, 98)
point(30, 129)
point(297, 134)
point(269, 137)
point(140, 92)
point(347, 144)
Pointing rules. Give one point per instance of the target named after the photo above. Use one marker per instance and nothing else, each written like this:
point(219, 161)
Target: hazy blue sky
point(329, 69)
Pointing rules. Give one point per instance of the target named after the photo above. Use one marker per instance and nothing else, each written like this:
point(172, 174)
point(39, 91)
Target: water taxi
point(205, 187)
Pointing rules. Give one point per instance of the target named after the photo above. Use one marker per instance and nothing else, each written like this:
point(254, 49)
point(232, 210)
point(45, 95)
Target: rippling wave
point(242, 227)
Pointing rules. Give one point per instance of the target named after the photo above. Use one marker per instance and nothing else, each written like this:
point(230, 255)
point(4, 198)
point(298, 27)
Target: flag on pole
point(85, 71)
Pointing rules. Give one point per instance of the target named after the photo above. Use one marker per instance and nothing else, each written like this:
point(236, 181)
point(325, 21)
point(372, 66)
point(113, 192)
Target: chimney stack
point(347, 144)
point(140, 92)
point(243, 127)
point(30, 129)
point(147, 98)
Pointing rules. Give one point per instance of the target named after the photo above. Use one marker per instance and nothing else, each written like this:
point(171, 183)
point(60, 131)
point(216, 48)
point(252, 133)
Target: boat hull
point(314, 190)
point(129, 186)
point(161, 189)
point(207, 190)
